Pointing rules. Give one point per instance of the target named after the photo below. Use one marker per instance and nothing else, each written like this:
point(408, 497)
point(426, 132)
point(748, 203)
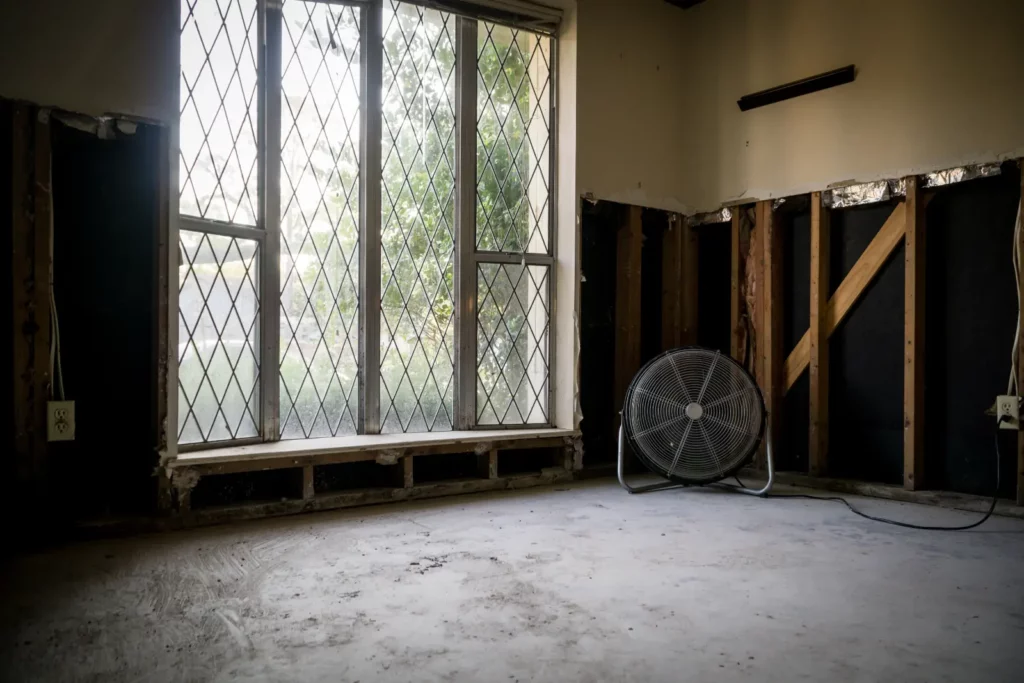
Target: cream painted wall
point(631, 106)
point(92, 56)
point(940, 83)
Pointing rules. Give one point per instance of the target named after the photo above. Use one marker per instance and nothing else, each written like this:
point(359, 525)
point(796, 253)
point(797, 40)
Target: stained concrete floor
point(578, 583)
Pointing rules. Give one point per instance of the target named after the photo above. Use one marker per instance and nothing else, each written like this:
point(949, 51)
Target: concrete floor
point(579, 583)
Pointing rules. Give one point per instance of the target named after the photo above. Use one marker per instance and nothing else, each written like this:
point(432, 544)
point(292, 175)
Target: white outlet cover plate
point(60, 421)
point(1009, 406)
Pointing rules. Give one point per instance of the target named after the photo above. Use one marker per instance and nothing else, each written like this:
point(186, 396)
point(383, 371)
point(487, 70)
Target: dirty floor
point(576, 583)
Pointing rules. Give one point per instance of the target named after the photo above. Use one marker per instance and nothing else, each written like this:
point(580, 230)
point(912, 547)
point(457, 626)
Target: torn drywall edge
point(577, 406)
point(639, 198)
point(752, 195)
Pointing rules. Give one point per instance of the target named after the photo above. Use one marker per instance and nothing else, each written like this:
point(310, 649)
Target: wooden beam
point(22, 249)
point(627, 301)
point(1020, 363)
point(487, 464)
point(689, 281)
point(735, 278)
point(818, 446)
point(851, 289)
point(41, 275)
point(770, 343)
point(914, 341)
point(672, 284)
point(407, 468)
point(308, 482)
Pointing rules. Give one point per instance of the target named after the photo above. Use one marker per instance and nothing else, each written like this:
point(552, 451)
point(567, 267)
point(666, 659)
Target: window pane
point(512, 344)
point(217, 133)
point(218, 310)
point(417, 234)
point(513, 140)
point(320, 219)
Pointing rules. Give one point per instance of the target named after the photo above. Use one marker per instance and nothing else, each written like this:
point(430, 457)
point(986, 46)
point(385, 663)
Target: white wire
point(1011, 387)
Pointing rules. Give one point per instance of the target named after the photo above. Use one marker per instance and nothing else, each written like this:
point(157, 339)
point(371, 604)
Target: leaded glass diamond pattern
point(417, 237)
point(218, 366)
point(217, 131)
point(320, 218)
point(513, 140)
point(512, 344)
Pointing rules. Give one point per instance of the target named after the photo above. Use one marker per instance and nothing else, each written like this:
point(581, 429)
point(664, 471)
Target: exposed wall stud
point(736, 278)
point(914, 341)
point(770, 332)
point(308, 485)
point(818, 446)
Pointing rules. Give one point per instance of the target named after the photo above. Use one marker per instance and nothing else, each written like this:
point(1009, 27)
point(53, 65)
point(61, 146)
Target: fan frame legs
point(671, 484)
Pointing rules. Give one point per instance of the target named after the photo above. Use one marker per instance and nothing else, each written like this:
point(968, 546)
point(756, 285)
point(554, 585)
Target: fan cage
point(730, 381)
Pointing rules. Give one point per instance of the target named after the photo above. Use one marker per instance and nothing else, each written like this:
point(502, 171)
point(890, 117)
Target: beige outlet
point(60, 421)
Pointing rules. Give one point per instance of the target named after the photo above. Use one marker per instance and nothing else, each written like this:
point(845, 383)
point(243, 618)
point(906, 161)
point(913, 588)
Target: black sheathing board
point(866, 357)
point(600, 223)
point(655, 223)
point(105, 223)
point(714, 284)
point(7, 470)
point(794, 219)
point(971, 311)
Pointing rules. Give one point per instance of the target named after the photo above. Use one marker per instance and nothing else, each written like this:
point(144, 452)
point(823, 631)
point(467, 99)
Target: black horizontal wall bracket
point(806, 86)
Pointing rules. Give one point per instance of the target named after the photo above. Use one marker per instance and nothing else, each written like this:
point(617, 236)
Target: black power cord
point(906, 525)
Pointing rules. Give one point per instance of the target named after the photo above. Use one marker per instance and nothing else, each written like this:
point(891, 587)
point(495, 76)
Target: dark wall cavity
point(794, 219)
point(970, 320)
point(714, 284)
point(866, 357)
point(106, 216)
point(6, 302)
point(597, 330)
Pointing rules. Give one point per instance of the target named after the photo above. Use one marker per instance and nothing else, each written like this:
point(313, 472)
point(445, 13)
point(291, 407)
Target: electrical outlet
point(60, 421)
point(1010, 407)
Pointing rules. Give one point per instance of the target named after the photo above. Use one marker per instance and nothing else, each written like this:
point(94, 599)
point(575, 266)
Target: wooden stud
point(757, 261)
point(689, 282)
point(771, 333)
point(627, 302)
point(736, 277)
point(679, 271)
point(407, 478)
point(308, 482)
point(42, 278)
point(22, 249)
point(671, 284)
point(914, 342)
point(1020, 365)
point(851, 289)
point(818, 446)
point(487, 464)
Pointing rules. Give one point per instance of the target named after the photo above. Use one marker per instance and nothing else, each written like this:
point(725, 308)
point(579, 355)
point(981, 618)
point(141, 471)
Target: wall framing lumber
point(736, 275)
point(770, 337)
point(851, 289)
point(914, 340)
point(308, 484)
point(627, 301)
point(818, 359)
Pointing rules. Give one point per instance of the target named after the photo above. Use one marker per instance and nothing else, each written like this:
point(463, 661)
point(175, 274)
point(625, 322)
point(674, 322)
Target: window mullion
point(465, 223)
point(372, 47)
point(269, 160)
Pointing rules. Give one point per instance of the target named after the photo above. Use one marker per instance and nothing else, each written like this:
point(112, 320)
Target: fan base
point(671, 484)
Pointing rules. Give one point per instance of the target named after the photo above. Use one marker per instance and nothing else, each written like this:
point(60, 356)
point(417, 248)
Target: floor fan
point(694, 417)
